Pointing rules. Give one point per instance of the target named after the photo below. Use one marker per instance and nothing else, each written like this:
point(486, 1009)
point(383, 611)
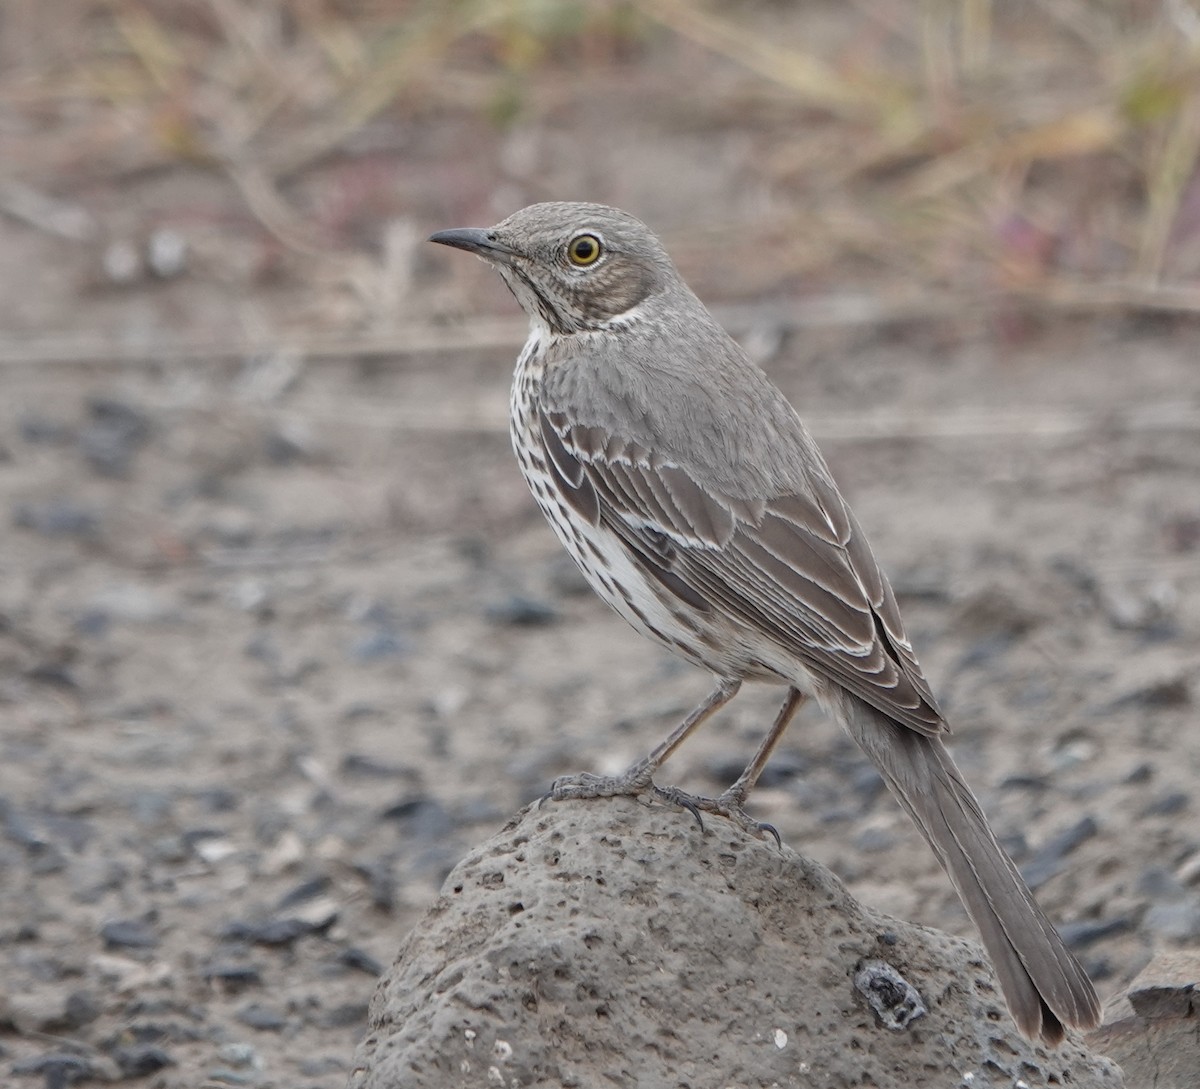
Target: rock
point(310, 917)
point(115, 432)
point(142, 1060)
point(1052, 855)
point(263, 1018)
point(522, 611)
point(47, 1011)
point(305, 891)
point(1169, 805)
point(1085, 932)
point(360, 960)
point(379, 645)
point(896, 1002)
point(1153, 1029)
point(611, 943)
point(56, 1068)
point(231, 977)
point(57, 518)
point(129, 933)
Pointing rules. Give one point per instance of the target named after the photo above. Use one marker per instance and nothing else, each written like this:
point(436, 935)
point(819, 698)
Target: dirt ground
point(282, 634)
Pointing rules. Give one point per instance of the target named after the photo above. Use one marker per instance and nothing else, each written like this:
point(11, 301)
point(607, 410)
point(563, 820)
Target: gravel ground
point(266, 677)
point(283, 636)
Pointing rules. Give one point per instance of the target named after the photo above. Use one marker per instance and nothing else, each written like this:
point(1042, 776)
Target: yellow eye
point(583, 250)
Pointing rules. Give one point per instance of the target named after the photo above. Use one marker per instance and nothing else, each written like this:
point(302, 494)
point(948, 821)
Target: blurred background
point(282, 634)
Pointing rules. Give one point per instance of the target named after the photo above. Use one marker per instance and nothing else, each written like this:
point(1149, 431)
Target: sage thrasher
point(696, 503)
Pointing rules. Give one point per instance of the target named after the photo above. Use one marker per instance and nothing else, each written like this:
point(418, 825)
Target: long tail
point(1044, 985)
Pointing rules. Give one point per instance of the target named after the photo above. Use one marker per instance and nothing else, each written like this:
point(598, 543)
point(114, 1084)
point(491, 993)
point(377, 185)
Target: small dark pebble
point(361, 961)
point(1143, 773)
point(218, 799)
point(1049, 858)
point(520, 611)
point(352, 1013)
point(57, 518)
point(379, 645)
point(92, 880)
point(984, 651)
point(1099, 968)
point(93, 623)
point(128, 934)
point(1168, 805)
point(57, 1069)
point(875, 840)
point(54, 673)
point(1033, 693)
point(367, 767)
point(113, 435)
point(1079, 935)
point(382, 884)
point(41, 429)
point(1160, 884)
point(921, 583)
point(141, 1060)
point(380, 613)
point(75, 832)
point(1032, 783)
point(423, 817)
point(280, 931)
point(155, 1031)
point(233, 977)
point(362, 711)
point(150, 807)
point(262, 1018)
point(18, 828)
point(263, 647)
point(81, 1009)
point(782, 769)
point(283, 449)
point(191, 837)
point(1175, 692)
point(307, 890)
point(45, 858)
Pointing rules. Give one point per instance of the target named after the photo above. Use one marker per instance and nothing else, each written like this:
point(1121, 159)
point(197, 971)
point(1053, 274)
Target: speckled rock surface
point(611, 943)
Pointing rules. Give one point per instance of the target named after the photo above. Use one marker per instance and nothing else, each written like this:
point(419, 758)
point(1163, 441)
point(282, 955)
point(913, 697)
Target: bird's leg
point(636, 779)
point(730, 803)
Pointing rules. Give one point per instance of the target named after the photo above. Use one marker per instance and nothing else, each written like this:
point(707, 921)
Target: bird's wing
point(795, 567)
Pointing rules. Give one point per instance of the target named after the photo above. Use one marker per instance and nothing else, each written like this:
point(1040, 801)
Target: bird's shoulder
point(686, 397)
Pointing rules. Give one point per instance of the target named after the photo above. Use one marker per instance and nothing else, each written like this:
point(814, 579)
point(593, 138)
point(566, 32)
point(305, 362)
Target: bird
point(697, 505)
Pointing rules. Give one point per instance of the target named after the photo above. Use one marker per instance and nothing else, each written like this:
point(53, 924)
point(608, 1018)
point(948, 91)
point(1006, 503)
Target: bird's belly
point(713, 643)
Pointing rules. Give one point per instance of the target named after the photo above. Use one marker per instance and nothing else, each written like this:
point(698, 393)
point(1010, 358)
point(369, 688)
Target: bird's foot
point(728, 805)
point(634, 781)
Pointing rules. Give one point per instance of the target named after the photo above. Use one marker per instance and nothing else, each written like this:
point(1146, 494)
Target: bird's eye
point(583, 250)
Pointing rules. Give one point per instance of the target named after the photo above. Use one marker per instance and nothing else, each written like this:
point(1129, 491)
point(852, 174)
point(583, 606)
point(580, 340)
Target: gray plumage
point(693, 498)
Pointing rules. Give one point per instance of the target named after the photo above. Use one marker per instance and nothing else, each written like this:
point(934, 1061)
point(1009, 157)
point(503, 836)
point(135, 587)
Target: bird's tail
point(1044, 985)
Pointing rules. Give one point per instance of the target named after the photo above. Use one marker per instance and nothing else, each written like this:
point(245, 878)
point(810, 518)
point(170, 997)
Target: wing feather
point(795, 567)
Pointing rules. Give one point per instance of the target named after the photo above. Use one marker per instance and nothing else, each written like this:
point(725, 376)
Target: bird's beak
point(478, 240)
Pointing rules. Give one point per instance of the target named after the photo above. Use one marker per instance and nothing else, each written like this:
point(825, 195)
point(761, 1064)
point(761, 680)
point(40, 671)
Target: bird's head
point(575, 267)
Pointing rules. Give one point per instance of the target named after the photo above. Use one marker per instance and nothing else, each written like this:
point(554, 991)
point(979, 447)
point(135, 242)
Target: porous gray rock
point(612, 943)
